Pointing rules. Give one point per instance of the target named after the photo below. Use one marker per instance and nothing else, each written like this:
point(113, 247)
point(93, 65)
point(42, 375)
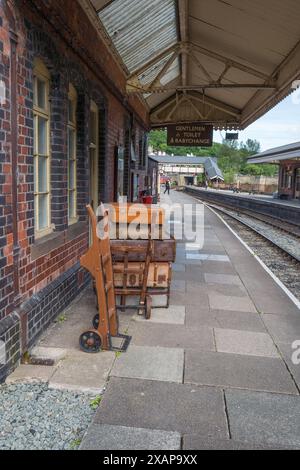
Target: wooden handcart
point(98, 262)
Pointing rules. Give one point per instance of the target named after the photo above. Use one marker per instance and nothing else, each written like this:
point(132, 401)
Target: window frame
point(40, 72)
point(72, 126)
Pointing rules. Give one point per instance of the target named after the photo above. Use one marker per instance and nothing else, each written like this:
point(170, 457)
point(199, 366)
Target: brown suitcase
point(164, 250)
point(159, 275)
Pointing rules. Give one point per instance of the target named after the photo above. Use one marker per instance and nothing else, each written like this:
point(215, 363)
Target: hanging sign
point(232, 136)
point(190, 135)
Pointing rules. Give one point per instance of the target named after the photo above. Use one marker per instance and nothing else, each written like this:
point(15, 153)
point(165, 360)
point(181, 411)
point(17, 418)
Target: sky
point(279, 126)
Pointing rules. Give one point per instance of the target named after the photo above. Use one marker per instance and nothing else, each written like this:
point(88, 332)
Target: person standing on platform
point(168, 186)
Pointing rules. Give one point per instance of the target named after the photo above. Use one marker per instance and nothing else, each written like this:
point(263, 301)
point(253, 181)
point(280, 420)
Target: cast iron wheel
point(148, 307)
point(90, 341)
point(96, 321)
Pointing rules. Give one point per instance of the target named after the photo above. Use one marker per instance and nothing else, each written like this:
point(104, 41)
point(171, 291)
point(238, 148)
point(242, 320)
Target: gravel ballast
point(32, 416)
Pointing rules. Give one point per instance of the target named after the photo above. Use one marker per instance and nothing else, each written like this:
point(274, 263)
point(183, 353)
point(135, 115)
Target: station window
point(72, 155)
point(41, 113)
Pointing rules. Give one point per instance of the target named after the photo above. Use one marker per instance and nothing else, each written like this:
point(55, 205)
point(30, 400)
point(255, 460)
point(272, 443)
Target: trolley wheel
point(148, 307)
point(90, 341)
point(96, 321)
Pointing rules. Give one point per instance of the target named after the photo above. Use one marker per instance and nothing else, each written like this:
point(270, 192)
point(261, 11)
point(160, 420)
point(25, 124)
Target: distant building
point(181, 170)
point(288, 159)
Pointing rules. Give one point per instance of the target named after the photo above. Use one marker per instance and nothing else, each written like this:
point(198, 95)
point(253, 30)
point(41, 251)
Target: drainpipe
point(14, 163)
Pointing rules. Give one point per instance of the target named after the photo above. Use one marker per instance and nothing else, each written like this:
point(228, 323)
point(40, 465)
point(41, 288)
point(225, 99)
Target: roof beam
point(183, 9)
point(136, 88)
point(164, 112)
point(153, 61)
point(217, 105)
point(177, 103)
point(164, 69)
point(197, 111)
point(200, 66)
point(227, 61)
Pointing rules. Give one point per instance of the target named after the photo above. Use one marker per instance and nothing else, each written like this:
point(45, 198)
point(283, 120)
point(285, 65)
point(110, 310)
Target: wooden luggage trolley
point(124, 268)
point(98, 262)
point(142, 267)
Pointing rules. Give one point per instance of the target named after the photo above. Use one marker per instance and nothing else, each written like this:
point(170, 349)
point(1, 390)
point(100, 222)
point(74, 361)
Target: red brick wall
point(71, 35)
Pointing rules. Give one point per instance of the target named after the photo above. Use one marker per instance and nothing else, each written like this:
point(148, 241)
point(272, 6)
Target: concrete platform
point(213, 371)
point(107, 437)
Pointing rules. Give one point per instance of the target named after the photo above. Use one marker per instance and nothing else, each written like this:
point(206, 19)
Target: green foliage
point(232, 156)
point(75, 444)
point(61, 319)
point(95, 402)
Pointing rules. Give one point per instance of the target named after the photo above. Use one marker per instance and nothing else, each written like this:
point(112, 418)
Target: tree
point(232, 156)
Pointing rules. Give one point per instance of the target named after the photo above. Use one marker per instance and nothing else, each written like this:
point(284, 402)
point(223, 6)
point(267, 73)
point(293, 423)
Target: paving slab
point(109, 437)
point(179, 285)
point(166, 406)
point(245, 343)
point(265, 293)
point(285, 329)
point(174, 315)
point(30, 373)
point(150, 363)
point(197, 317)
point(172, 336)
point(52, 354)
point(83, 372)
point(159, 301)
point(65, 332)
point(228, 290)
point(195, 298)
point(218, 301)
point(207, 257)
point(212, 267)
point(177, 267)
point(225, 279)
point(264, 417)
point(188, 276)
point(194, 442)
point(287, 352)
point(237, 371)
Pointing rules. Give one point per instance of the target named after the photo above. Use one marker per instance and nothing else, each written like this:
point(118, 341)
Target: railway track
point(283, 239)
point(279, 250)
point(275, 240)
point(284, 217)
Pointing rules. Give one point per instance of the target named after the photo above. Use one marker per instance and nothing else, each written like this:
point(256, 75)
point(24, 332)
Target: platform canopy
point(275, 155)
point(220, 62)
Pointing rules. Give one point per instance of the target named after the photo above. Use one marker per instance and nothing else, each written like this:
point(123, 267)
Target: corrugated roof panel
point(172, 73)
point(149, 75)
point(139, 28)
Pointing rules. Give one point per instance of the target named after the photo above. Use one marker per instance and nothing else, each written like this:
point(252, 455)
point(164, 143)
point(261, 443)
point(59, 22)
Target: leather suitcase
point(159, 275)
point(164, 250)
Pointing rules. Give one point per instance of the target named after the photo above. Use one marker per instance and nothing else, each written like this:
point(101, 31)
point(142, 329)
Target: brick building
point(69, 135)
point(287, 157)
